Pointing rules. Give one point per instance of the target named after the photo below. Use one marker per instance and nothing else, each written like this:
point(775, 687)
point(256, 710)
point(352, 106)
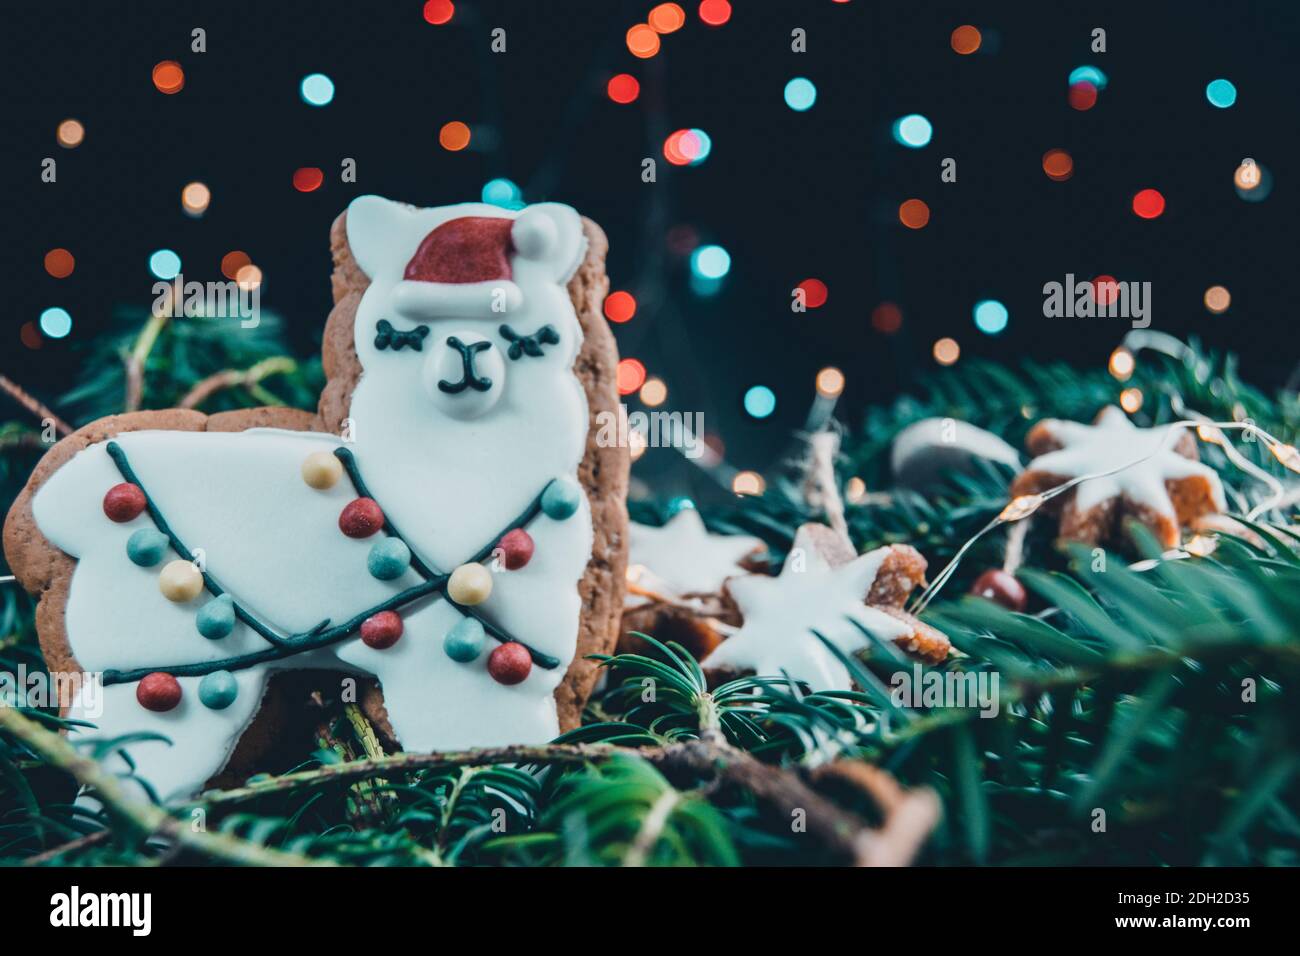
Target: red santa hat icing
point(467, 249)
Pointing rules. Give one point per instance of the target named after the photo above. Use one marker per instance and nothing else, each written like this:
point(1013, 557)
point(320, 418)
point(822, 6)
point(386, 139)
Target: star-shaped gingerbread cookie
point(826, 588)
point(1157, 478)
point(683, 558)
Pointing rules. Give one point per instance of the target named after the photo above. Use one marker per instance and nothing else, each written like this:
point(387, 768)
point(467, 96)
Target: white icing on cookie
point(1114, 442)
point(450, 482)
point(925, 451)
point(682, 557)
point(781, 613)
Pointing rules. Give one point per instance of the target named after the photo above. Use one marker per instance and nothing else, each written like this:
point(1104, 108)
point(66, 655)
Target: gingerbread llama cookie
point(1148, 474)
point(447, 524)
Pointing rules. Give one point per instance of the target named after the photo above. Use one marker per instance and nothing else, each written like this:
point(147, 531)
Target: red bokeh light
point(715, 12)
point(439, 12)
point(623, 88)
point(1083, 95)
point(1148, 204)
point(308, 179)
point(631, 376)
point(620, 306)
point(814, 293)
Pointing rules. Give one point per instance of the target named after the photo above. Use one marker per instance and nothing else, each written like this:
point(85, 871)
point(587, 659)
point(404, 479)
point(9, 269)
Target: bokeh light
point(913, 131)
point(1058, 165)
point(815, 293)
point(654, 392)
point(760, 401)
point(642, 41)
point(165, 264)
point(683, 147)
point(631, 376)
point(439, 12)
point(1247, 175)
point(70, 133)
point(503, 192)
point(1082, 96)
point(887, 318)
point(1122, 364)
point(30, 335)
point(195, 198)
point(56, 322)
point(1105, 289)
point(59, 263)
point(748, 483)
point(800, 94)
point(308, 179)
point(249, 277)
point(666, 18)
point(1217, 299)
point(715, 12)
point(232, 262)
point(316, 89)
point(914, 214)
point(1130, 400)
point(1148, 204)
point(453, 136)
point(855, 489)
point(965, 40)
point(623, 88)
point(1221, 93)
point(620, 306)
point(710, 262)
point(991, 316)
point(946, 351)
point(1089, 74)
point(168, 77)
point(830, 382)
point(703, 146)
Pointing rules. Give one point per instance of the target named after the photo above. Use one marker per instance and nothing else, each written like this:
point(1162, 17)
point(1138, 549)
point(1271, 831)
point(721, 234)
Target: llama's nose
point(464, 374)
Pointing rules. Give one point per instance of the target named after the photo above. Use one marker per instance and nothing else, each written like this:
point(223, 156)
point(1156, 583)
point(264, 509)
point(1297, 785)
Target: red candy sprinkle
point(361, 518)
point(468, 249)
point(516, 549)
point(158, 692)
point(381, 630)
point(510, 663)
point(124, 502)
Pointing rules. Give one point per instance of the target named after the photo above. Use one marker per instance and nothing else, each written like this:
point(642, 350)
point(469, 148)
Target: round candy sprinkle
point(124, 502)
point(381, 630)
point(216, 619)
point(510, 663)
point(158, 692)
point(321, 470)
point(218, 690)
point(146, 547)
point(516, 549)
point(389, 558)
point(464, 642)
point(180, 581)
point(361, 518)
point(560, 499)
point(470, 584)
point(1001, 588)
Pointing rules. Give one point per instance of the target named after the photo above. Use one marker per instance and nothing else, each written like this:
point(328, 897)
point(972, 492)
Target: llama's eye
point(387, 337)
point(521, 345)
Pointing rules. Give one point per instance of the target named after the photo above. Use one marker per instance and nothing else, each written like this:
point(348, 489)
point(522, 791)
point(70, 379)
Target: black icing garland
point(521, 345)
point(387, 337)
point(323, 634)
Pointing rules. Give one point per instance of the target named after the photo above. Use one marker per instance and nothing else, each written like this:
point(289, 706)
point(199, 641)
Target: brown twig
point(32, 404)
point(910, 815)
point(234, 378)
point(144, 819)
point(72, 846)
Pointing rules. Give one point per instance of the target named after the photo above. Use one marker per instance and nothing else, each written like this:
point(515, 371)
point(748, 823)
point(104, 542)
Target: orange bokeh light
point(631, 376)
point(642, 41)
point(454, 136)
point(232, 262)
point(70, 133)
point(667, 18)
point(59, 263)
point(715, 12)
point(965, 40)
point(168, 77)
point(1058, 164)
point(914, 214)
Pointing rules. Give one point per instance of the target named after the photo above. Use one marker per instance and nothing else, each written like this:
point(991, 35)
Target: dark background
point(790, 195)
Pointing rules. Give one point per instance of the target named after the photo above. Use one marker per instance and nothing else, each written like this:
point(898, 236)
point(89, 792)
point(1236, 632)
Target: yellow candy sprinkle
point(180, 581)
point(321, 470)
point(470, 584)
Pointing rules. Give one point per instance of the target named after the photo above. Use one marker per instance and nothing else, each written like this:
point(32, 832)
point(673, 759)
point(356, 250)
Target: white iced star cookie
point(1167, 489)
point(824, 588)
point(682, 557)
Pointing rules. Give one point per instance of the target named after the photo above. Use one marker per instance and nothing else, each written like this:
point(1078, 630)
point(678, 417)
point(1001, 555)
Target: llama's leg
point(201, 739)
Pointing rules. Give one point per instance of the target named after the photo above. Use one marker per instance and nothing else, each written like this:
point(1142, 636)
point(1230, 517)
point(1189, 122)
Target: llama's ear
point(379, 234)
point(551, 233)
